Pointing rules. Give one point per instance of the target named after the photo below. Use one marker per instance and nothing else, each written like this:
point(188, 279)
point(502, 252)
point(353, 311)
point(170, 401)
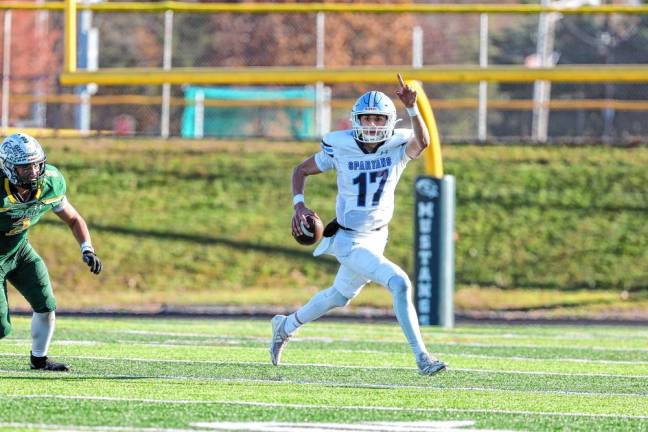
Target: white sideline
point(328, 407)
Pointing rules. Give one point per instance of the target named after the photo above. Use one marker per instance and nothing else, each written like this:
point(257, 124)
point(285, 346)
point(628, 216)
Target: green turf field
point(215, 375)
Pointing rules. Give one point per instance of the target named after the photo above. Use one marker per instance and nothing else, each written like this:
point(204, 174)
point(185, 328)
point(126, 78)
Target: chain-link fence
point(33, 57)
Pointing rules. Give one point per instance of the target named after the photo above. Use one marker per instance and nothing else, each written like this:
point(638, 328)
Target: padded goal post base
point(434, 250)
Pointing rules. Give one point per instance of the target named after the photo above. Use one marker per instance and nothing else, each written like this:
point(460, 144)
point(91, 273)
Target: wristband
point(86, 246)
point(299, 198)
point(413, 111)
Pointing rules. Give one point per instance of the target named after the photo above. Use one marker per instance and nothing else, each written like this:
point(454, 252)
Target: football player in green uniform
point(29, 188)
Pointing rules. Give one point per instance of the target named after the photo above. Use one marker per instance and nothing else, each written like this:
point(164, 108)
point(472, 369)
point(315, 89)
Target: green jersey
point(16, 217)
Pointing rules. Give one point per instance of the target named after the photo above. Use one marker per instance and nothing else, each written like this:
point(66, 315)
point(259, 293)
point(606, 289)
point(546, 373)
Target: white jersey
point(366, 181)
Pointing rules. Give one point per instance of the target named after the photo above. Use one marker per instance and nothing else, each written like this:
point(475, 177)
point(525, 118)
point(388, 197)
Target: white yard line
point(579, 374)
point(567, 332)
point(397, 336)
point(416, 426)
point(561, 359)
point(513, 346)
point(343, 385)
point(496, 357)
point(86, 428)
point(420, 426)
point(329, 407)
point(232, 341)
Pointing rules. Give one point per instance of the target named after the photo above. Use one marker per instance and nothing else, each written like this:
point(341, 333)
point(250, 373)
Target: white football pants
point(361, 261)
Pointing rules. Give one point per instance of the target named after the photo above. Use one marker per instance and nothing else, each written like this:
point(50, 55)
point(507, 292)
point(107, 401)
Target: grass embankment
point(180, 222)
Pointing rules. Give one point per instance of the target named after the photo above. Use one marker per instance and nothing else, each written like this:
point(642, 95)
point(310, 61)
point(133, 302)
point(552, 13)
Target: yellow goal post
point(433, 159)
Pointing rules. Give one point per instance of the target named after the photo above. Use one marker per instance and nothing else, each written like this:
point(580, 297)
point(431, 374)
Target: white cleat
point(279, 338)
point(428, 365)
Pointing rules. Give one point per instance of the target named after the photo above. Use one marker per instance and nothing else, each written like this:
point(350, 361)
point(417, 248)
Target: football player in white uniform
point(369, 160)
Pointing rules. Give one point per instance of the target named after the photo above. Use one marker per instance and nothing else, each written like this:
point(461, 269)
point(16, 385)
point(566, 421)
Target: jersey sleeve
point(404, 156)
point(60, 205)
point(324, 159)
point(56, 182)
point(402, 137)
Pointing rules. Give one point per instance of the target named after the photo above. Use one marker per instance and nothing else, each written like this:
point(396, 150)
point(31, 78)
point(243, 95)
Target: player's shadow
point(600, 286)
point(160, 176)
point(206, 240)
point(512, 203)
point(65, 376)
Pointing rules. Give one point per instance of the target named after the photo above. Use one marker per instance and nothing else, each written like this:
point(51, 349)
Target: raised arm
point(421, 138)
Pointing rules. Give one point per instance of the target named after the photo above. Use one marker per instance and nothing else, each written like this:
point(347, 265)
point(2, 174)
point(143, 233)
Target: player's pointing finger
point(400, 80)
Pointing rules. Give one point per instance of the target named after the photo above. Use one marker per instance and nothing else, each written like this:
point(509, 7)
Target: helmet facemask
point(373, 103)
point(30, 179)
point(372, 133)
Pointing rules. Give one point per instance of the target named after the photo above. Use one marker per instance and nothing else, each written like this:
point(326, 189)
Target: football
point(312, 232)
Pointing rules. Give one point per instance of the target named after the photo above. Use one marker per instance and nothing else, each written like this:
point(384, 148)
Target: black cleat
point(42, 363)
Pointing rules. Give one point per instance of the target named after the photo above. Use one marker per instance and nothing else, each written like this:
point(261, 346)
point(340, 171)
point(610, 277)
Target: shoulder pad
point(338, 142)
point(54, 180)
point(52, 171)
point(399, 138)
point(326, 148)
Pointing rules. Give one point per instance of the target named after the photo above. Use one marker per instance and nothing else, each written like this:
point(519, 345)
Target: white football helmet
point(22, 149)
point(373, 102)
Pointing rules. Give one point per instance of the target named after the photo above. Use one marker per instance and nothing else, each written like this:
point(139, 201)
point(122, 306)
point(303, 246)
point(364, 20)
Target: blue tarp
point(297, 122)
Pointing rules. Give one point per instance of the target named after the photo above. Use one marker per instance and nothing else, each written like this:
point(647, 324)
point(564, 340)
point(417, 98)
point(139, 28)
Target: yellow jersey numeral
point(19, 226)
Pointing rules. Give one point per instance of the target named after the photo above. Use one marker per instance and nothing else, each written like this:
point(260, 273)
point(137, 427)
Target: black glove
point(93, 261)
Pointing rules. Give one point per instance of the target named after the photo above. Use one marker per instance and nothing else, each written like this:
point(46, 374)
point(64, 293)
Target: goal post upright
point(70, 60)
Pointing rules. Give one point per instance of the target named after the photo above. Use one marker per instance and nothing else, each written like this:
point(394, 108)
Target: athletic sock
point(292, 324)
point(408, 320)
point(42, 329)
